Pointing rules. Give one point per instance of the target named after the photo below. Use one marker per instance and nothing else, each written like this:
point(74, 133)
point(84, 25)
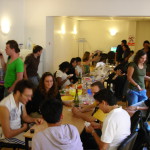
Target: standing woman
point(47, 89)
point(136, 75)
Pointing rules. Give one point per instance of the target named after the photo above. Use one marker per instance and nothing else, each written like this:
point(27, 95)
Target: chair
point(10, 145)
point(135, 119)
point(128, 143)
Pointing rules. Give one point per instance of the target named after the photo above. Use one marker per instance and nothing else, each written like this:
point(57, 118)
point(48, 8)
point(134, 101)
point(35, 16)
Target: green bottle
point(76, 99)
point(80, 78)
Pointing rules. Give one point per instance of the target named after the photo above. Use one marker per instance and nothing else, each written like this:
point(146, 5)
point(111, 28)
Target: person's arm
point(130, 79)
point(87, 108)
point(3, 64)
point(147, 78)
point(134, 108)
point(5, 123)
point(101, 145)
point(60, 81)
point(83, 116)
point(26, 118)
point(19, 77)
point(25, 71)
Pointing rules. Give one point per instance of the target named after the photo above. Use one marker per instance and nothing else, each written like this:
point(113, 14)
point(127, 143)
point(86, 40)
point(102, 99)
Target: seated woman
point(72, 71)
point(47, 89)
point(79, 67)
point(61, 77)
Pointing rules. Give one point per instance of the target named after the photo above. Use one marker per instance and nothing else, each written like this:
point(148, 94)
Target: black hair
point(138, 55)
point(22, 85)
point(124, 42)
point(72, 60)
point(37, 48)
point(99, 84)
point(13, 44)
point(146, 41)
point(78, 59)
point(105, 95)
point(64, 65)
point(126, 46)
point(51, 110)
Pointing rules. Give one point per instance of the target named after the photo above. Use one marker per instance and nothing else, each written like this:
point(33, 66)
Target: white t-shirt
point(15, 112)
point(116, 128)
point(63, 137)
point(79, 69)
point(63, 75)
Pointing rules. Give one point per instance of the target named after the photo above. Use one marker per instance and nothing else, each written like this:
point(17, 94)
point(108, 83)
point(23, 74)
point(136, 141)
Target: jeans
point(35, 80)
point(134, 97)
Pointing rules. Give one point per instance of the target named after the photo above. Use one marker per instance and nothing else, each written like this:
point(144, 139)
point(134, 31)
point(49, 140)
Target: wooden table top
point(68, 118)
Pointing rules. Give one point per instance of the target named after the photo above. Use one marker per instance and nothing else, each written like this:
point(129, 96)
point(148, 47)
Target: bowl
point(67, 99)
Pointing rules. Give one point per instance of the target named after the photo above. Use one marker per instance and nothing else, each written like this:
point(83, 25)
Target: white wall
point(14, 12)
point(142, 33)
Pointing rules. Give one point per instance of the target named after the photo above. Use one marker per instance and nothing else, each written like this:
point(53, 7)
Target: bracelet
point(93, 132)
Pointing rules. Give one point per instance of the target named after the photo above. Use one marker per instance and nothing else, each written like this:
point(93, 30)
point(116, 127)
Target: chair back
point(135, 119)
point(128, 143)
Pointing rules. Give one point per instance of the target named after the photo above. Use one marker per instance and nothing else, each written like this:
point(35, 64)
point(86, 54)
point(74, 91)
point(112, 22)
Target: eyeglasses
point(27, 96)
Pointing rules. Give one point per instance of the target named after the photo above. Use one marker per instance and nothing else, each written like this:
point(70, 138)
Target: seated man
point(13, 116)
point(98, 114)
point(116, 126)
point(56, 136)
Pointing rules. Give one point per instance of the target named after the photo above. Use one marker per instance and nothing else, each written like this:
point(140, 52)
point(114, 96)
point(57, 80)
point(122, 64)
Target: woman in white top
point(61, 77)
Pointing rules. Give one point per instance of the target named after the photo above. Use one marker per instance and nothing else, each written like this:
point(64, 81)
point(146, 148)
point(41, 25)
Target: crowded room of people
point(74, 79)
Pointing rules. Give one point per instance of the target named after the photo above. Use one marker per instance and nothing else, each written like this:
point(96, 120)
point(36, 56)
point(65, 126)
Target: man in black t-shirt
point(119, 50)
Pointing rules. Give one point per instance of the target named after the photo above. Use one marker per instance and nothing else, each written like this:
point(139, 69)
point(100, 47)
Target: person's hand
point(139, 88)
point(132, 108)
point(89, 129)
point(38, 120)
point(25, 126)
point(96, 125)
point(76, 111)
point(10, 89)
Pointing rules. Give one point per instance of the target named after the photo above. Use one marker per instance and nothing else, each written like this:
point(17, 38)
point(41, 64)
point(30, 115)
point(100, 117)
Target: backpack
point(143, 139)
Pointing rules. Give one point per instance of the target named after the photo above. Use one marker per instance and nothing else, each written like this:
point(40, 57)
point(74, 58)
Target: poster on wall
point(131, 40)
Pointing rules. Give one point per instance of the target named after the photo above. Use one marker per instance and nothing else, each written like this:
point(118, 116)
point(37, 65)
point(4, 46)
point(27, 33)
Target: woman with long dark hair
point(136, 75)
point(47, 89)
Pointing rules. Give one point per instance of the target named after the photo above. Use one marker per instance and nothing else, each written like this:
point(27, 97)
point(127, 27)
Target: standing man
point(31, 65)
point(119, 50)
point(13, 116)
point(14, 67)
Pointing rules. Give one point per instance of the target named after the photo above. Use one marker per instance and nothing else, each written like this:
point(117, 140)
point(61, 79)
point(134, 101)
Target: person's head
point(47, 84)
point(123, 42)
point(125, 47)
point(86, 56)
point(24, 90)
point(146, 44)
point(131, 52)
point(64, 66)
point(12, 47)
point(51, 111)
point(105, 98)
point(37, 50)
point(140, 57)
point(96, 87)
point(73, 62)
point(78, 60)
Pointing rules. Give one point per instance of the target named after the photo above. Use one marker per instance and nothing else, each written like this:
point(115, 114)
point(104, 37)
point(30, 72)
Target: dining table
point(68, 118)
